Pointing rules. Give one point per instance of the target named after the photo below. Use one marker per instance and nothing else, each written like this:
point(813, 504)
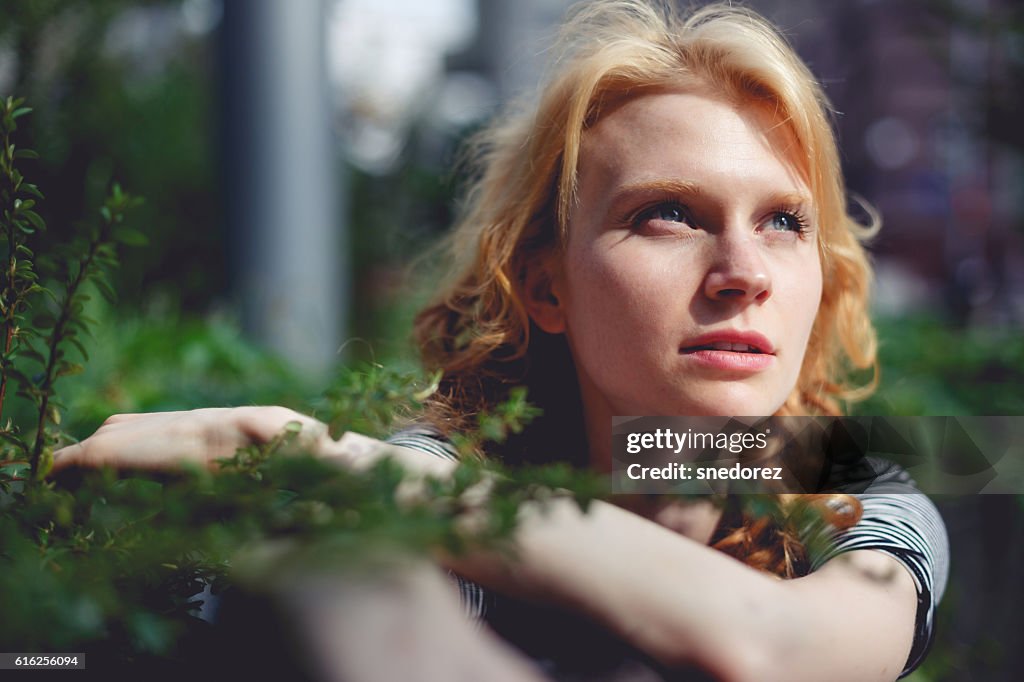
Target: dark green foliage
point(20, 281)
point(42, 323)
point(108, 562)
point(110, 114)
point(372, 399)
point(125, 557)
point(931, 369)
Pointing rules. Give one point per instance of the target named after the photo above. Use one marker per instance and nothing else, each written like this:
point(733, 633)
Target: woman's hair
point(523, 187)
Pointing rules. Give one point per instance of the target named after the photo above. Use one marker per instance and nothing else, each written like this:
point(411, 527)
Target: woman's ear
point(542, 299)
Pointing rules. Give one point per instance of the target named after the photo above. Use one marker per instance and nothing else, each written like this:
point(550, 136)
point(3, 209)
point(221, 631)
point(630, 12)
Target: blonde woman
point(663, 231)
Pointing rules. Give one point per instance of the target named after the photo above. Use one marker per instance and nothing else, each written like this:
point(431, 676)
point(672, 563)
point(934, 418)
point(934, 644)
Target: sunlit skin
point(691, 277)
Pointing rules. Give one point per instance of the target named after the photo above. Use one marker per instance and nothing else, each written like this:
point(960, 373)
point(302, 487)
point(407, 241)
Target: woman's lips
point(731, 350)
point(731, 360)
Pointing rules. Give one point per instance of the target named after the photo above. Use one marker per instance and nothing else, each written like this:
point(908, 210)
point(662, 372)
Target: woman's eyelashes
point(663, 212)
point(673, 216)
point(787, 220)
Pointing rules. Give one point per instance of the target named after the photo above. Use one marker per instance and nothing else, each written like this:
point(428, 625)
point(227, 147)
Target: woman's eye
point(784, 221)
point(668, 212)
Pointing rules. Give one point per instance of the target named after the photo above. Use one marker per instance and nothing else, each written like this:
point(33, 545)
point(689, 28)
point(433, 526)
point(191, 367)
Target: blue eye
point(788, 221)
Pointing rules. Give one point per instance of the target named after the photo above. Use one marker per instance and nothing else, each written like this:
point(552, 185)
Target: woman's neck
point(598, 421)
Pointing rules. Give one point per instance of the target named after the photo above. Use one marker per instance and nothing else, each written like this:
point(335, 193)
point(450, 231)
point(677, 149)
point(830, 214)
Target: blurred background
point(296, 157)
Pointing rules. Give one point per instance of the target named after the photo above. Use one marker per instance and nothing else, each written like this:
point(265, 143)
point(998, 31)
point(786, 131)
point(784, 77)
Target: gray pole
point(284, 191)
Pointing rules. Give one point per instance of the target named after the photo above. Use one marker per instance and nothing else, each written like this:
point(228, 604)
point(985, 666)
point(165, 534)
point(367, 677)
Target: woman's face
point(691, 277)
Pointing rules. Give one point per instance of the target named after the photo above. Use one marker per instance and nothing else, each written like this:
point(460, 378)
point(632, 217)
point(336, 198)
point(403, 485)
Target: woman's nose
point(738, 272)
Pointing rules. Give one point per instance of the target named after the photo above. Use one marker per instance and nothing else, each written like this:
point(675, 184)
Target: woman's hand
point(166, 440)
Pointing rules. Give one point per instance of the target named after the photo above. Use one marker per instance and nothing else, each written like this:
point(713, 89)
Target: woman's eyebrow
point(627, 194)
point(660, 186)
point(790, 199)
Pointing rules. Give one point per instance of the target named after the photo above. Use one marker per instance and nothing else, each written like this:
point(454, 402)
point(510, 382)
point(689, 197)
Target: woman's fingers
point(167, 440)
point(66, 457)
point(154, 441)
point(115, 418)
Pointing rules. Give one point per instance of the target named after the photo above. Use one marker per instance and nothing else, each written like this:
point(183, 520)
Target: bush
point(112, 564)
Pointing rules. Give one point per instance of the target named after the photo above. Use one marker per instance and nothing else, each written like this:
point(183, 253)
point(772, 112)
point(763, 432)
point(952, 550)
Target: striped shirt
point(897, 519)
point(902, 522)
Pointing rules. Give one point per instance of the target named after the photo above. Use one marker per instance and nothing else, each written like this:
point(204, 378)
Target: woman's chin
point(734, 401)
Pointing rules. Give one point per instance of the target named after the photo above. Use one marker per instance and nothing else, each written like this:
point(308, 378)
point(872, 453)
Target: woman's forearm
point(683, 602)
point(669, 596)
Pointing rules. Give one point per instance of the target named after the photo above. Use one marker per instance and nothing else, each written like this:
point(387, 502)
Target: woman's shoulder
point(426, 438)
point(901, 521)
point(897, 518)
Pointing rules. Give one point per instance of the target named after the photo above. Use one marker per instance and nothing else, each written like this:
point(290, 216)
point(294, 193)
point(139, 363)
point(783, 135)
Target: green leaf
point(19, 376)
point(44, 321)
point(68, 369)
point(32, 189)
point(105, 290)
point(130, 237)
point(18, 113)
point(78, 344)
point(49, 293)
point(26, 154)
point(32, 354)
point(14, 439)
point(34, 218)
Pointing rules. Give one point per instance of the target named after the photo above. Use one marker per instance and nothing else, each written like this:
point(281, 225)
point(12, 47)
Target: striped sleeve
point(473, 597)
point(903, 523)
point(419, 438)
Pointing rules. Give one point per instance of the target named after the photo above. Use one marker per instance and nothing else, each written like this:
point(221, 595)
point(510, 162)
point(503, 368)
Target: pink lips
point(731, 350)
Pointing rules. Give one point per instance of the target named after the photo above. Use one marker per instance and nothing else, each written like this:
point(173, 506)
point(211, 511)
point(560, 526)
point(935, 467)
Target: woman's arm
point(400, 623)
point(162, 441)
point(683, 602)
point(670, 596)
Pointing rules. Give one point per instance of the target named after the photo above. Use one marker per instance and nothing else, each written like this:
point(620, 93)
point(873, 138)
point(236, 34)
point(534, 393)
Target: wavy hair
point(524, 170)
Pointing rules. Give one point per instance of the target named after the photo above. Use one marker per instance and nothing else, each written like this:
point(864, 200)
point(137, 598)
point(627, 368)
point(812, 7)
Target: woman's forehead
point(693, 137)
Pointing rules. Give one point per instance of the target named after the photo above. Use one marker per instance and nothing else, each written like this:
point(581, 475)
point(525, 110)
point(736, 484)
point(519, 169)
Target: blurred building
point(924, 130)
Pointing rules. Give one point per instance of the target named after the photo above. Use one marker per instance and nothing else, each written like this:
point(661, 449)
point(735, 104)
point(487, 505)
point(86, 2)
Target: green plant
point(19, 222)
point(111, 563)
point(45, 341)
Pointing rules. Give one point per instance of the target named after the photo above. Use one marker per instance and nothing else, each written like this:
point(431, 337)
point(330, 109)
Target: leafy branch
point(96, 252)
point(82, 262)
point(371, 399)
point(19, 221)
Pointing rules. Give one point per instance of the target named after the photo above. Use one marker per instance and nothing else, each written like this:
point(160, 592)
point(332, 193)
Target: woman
point(664, 233)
